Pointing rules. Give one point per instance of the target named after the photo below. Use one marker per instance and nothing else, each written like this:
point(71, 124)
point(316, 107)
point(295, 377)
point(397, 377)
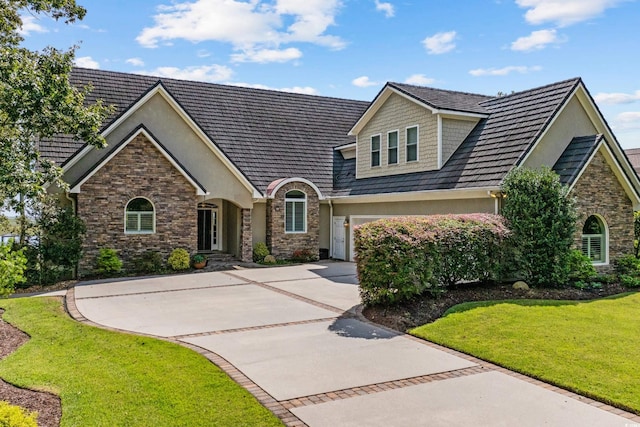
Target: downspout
point(330, 228)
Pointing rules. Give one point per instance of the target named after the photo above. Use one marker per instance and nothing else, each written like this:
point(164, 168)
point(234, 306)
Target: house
point(210, 167)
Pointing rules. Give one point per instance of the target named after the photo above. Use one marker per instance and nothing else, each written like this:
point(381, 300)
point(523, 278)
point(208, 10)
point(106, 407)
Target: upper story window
point(140, 217)
point(412, 144)
point(594, 239)
point(392, 147)
point(295, 212)
point(375, 150)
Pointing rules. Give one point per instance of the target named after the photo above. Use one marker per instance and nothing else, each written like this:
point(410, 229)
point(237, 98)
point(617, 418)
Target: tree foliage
point(37, 101)
point(542, 218)
point(12, 266)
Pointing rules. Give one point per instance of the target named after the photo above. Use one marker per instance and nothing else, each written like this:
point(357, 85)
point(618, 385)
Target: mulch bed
point(427, 309)
point(46, 405)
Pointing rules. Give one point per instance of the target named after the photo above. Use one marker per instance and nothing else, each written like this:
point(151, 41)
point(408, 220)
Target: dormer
point(413, 129)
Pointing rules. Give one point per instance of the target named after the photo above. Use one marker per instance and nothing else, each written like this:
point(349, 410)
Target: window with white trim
point(392, 147)
point(375, 150)
point(295, 212)
point(140, 217)
point(594, 239)
point(412, 144)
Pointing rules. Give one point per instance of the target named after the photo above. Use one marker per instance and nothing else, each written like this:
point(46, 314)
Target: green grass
point(589, 347)
point(106, 378)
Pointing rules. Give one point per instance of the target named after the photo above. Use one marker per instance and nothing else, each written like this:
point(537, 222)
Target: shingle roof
point(444, 99)
point(494, 147)
point(633, 154)
point(267, 134)
point(575, 157)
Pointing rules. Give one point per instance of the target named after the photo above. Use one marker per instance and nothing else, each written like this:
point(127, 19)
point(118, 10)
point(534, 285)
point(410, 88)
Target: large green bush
point(542, 219)
point(399, 258)
point(15, 416)
point(12, 266)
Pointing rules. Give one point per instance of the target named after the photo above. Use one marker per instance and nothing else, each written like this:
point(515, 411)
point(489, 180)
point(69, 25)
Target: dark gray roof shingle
point(267, 134)
point(444, 99)
point(575, 157)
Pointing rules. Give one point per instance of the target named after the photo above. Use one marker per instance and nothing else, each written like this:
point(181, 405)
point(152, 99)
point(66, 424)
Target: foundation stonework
point(138, 170)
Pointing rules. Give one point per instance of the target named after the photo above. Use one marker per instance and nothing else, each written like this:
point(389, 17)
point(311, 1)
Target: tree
point(38, 101)
point(542, 218)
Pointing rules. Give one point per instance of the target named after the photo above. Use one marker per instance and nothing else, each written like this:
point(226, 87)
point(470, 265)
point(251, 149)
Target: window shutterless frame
point(392, 147)
point(139, 216)
point(295, 212)
point(375, 150)
point(411, 143)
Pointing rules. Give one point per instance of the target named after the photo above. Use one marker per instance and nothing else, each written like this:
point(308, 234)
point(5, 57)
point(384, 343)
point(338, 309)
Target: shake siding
point(398, 113)
point(453, 133)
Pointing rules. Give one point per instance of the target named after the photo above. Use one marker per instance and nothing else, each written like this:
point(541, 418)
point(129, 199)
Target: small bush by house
point(13, 264)
point(179, 259)
point(149, 262)
point(399, 258)
point(108, 262)
point(260, 251)
point(304, 255)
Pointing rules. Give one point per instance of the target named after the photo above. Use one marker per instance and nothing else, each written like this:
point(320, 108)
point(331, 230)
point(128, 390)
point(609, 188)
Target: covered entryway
point(208, 227)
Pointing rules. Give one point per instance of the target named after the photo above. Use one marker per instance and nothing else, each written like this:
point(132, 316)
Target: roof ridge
point(441, 90)
point(222, 85)
point(574, 79)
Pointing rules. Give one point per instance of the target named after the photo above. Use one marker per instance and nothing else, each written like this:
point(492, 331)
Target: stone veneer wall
point(599, 192)
point(246, 236)
point(138, 170)
point(281, 244)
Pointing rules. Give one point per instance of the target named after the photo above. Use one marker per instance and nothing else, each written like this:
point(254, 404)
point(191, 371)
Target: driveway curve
point(292, 337)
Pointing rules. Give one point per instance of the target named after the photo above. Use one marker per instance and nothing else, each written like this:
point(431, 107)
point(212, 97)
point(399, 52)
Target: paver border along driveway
point(294, 338)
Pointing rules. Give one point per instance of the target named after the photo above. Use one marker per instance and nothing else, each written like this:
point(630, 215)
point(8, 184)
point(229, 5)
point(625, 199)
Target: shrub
point(15, 416)
point(580, 267)
point(636, 233)
point(304, 255)
point(629, 281)
point(627, 265)
point(179, 259)
point(260, 251)
point(198, 258)
point(399, 258)
point(108, 262)
point(12, 267)
point(270, 259)
point(542, 218)
point(149, 262)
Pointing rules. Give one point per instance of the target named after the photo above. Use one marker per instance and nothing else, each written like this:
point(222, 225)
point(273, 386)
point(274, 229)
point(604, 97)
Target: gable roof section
point(633, 154)
point(115, 149)
point(575, 157)
point(490, 151)
point(267, 134)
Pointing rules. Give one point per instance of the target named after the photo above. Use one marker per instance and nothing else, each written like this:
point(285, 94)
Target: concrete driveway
point(291, 337)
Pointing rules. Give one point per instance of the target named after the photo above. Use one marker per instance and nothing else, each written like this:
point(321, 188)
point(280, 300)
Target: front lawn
point(591, 348)
point(106, 378)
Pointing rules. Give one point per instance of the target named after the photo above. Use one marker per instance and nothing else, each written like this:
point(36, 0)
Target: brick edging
point(490, 366)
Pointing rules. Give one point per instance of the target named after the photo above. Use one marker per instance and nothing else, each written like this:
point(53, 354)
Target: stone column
point(246, 238)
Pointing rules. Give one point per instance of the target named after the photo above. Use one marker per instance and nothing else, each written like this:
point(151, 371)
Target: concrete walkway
point(291, 336)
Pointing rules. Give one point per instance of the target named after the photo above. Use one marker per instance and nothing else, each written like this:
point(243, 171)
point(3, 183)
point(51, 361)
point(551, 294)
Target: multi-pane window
point(392, 147)
point(139, 217)
point(412, 144)
point(593, 239)
point(295, 212)
point(375, 150)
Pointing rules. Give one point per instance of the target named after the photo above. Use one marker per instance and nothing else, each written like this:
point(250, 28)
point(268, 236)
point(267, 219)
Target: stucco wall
point(571, 122)
point(138, 170)
point(259, 222)
point(598, 192)
point(398, 113)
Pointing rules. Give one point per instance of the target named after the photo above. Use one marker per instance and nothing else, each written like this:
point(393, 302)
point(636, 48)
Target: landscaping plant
point(260, 251)
point(15, 416)
point(304, 255)
point(542, 219)
point(149, 262)
point(12, 266)
point(179, 259)
point(108, 262)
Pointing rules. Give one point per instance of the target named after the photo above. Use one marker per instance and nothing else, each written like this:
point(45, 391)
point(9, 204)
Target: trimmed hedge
point(399, 258)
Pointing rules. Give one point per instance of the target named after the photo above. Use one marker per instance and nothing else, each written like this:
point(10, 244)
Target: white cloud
point(29, 25)
point(136, 62)
point(564, 12)
point(363, 81)
point(536, 40)
point(205, 73)
point(203, 53)
point(419, 79)
point(627, 121)
point(503, 71)
point(305, 90)
point(247, 25)
point(617, 98)
point(86, 62)
point(267, 55)
point(440, 43)
point(386, 7)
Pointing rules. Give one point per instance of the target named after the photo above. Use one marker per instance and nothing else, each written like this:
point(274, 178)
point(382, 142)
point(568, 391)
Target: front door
point(338, 237)
point(208, 230)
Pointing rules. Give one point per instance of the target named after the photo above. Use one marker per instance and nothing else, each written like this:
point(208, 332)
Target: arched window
point(295, 212)
point(139, 217)
point(594, 244)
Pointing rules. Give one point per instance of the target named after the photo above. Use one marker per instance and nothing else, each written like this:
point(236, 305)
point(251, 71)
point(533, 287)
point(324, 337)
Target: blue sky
point(350, 48)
